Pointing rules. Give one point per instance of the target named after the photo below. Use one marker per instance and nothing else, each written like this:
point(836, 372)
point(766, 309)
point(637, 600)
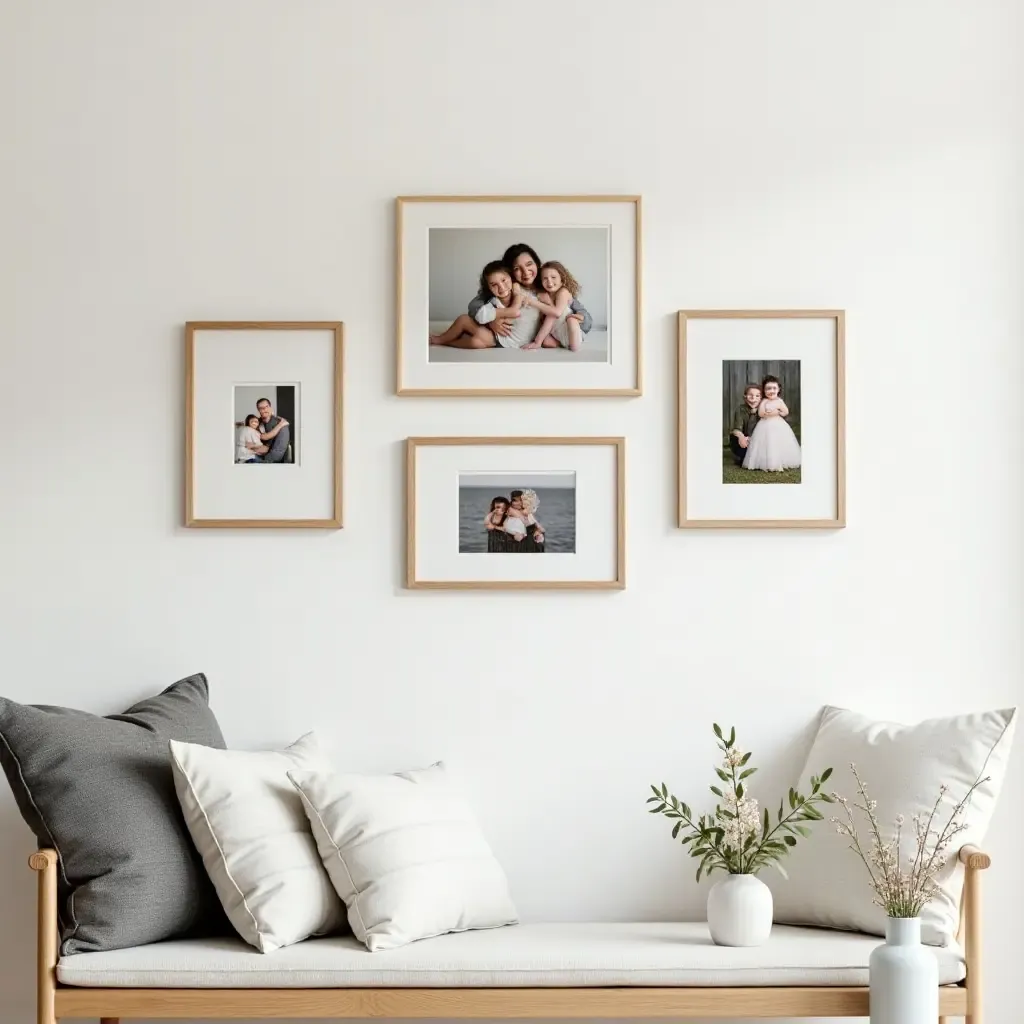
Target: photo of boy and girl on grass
point(522, 303)
point(762, 421)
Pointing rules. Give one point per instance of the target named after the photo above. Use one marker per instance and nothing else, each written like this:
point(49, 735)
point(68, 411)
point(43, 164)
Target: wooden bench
point(105, 988)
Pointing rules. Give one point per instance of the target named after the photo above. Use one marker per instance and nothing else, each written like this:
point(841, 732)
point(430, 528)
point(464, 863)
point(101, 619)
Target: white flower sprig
point(902, 889)
point(737, 836)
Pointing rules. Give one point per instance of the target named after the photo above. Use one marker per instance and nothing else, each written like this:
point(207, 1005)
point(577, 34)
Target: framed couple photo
point(263, 424)
point(518, 295)
point(761, 429)
point(477, 503)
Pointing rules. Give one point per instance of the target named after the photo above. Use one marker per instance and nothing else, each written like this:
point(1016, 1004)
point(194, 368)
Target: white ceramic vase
point(904, 976)
point(740, 911)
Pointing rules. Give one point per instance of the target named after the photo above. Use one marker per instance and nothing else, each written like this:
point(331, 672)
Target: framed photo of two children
point(761, 429)
point(518, 295)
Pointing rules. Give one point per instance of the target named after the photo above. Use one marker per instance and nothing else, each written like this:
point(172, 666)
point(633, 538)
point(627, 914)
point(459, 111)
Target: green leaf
point(745, 758)
point(825, 774)
point(780, 810)
point(717, 791)
point(687, 811)
point(767, 824)
point(656, 810)
point(732, 736)
point(827, 798)
point(805, 832)
point(792, 798)
point(790, 841)
point(746, 774)
point(675, 829)
point(739, 791)
point(718, 730)
point(657, 792)
point(654, 799)
point(722, 775)
point(664, 791)
point(675, 804)
point(688, 839)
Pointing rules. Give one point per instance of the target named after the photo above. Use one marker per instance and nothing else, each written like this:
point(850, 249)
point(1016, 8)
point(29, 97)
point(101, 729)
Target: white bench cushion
point(519, 956)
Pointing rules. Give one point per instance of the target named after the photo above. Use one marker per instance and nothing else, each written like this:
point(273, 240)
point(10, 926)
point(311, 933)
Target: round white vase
point(740, 911)
point(904, 976)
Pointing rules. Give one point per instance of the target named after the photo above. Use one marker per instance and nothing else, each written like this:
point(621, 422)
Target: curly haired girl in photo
point(559, 290)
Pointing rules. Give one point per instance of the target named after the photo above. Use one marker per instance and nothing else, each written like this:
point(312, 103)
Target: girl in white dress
point(773, 445)
point(560, 288)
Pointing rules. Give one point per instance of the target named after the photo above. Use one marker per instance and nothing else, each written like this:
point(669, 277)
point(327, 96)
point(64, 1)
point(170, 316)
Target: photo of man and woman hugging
point(522, 303)
point(763, 446)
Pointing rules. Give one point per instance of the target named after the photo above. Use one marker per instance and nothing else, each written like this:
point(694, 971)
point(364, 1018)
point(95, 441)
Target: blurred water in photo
point(556, 513)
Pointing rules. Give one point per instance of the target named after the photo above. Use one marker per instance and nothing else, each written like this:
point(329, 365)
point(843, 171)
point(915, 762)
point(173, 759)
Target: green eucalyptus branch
point(735, 837)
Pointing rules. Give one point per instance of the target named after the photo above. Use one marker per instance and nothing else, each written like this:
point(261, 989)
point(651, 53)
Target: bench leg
point(110, 1020)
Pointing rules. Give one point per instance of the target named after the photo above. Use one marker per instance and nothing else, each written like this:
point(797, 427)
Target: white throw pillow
point(406, 855)
point(248, 824)
point(902, 767)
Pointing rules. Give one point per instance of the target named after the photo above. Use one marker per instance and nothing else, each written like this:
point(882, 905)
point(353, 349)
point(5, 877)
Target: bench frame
point(59, 1002)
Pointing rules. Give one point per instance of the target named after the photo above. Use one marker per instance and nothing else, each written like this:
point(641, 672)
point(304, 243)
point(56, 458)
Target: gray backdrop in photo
point(736, 373)
point(246, 396)
point(457, 255)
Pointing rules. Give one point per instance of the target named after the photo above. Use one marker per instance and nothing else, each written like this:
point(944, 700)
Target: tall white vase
point(740, 911)
point(904, 976)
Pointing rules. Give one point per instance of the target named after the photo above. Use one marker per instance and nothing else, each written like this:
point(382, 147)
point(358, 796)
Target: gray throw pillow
point(100, 791)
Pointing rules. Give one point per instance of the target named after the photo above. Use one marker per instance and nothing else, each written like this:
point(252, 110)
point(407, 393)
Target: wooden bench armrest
point(973, 858)
point(44, 863)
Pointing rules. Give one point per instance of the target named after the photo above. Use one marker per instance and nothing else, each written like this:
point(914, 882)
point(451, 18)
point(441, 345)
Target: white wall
point(457, 257)
point(181, 159)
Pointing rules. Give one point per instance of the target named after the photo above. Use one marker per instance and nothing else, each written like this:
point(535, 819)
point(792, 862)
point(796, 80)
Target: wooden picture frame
point(544, 374)
point(614, 533)
point(833, 421)
point(329, 390)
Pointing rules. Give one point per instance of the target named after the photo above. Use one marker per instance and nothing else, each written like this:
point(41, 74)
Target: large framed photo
point(477, 503)
point(263, 424)
point(518, 295)
point(761, 419)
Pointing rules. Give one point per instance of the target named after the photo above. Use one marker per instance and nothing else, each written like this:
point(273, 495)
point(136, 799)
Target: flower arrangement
point(901, 889)
point(737, 837)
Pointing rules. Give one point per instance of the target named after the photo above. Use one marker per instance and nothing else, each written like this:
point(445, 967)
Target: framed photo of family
point(476, 502)
point(518, 295)
point(263, 424)
point(761, 427)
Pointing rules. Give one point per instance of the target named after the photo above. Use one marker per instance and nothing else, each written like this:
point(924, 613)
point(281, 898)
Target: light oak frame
point(838, 521)
point(634, 391)
point(62, 1002)
point(412, 444)
point(338, 329)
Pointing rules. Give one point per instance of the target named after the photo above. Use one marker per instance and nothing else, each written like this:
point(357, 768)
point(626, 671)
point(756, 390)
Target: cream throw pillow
point(902, 767)
point(406, 855)
point(248, 825)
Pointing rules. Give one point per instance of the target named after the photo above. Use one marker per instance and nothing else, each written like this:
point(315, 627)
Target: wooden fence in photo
point(737, 373)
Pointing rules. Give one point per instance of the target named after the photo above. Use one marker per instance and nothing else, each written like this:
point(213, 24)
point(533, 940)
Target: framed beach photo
point(263, 424)
point(518, 295)
point(475, 503)
point(761, 427)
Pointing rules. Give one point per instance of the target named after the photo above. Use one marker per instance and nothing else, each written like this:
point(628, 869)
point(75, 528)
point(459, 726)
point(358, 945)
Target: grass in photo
point(761, 421)
point(517, 513)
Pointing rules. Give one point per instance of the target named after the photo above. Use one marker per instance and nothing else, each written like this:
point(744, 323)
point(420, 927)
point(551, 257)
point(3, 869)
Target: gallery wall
point(181, 159)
